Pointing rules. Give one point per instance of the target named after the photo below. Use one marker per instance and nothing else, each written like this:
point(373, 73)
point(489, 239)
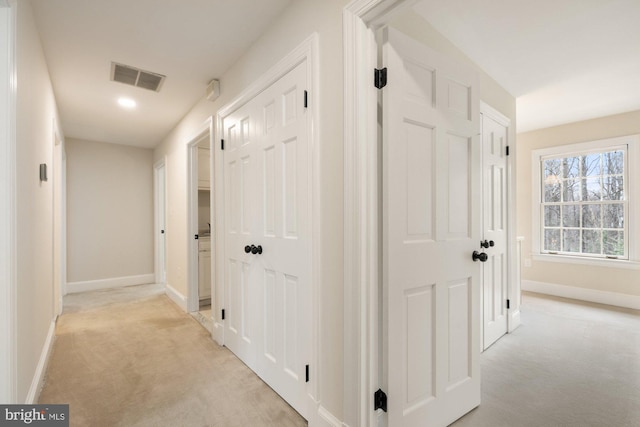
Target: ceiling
point(563, 60)
point(189, 41)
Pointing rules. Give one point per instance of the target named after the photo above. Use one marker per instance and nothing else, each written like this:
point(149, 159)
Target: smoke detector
point(136, 77)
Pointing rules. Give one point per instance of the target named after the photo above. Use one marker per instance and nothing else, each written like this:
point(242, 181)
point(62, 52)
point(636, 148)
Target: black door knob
point(247, 248)
point(256, 249)
point(491, 243)
point(480, 256)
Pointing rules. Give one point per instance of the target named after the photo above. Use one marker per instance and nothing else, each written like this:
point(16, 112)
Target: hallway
point(130, 357)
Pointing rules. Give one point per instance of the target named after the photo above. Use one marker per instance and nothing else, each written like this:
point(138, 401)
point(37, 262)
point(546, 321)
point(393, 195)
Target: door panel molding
point(306, 52)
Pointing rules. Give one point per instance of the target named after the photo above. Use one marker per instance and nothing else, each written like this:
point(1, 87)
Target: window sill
point(598, 262)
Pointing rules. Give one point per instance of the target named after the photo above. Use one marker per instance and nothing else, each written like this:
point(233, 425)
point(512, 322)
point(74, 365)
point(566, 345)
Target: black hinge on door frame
point(222, 144)
point(306, 373)
point(306, 99)
point(508, 304)
point(380, 400)
point(223, 314)
point(380, 77)
point(507, 150)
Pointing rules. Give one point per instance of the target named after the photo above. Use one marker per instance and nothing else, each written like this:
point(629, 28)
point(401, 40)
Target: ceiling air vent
point(136, 77)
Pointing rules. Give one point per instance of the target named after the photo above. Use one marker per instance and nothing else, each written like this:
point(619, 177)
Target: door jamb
point(361, 206)
point(8, 217)
point(192, 212)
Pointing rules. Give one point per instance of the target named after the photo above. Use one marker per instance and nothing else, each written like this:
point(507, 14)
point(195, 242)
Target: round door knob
point(247, 248)
point(480, 256)
point(484, 244)
point(492, 243)
point(256, 249)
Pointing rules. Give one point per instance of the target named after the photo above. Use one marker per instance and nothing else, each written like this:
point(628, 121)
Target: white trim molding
point(632, 191)
point(204, 131)
point(175, 296)
point(8, 250)
point(361, 200)
point(114, 282)
point(38, 377)
point(583, 294)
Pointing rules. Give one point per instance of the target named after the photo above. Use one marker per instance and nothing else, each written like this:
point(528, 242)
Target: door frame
point(513, 284)
point(160, 164)
point(59, 209)
point(362, 368)
point(361, 18)
point(8, 217)
point(307, 51)
point(193, 303)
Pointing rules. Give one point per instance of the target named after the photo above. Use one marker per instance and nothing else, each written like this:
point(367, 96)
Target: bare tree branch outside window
point(583, 204)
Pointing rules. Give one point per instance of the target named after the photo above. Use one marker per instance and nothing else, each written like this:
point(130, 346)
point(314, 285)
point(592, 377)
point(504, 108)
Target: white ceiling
point(189, 41)
point(564, 60)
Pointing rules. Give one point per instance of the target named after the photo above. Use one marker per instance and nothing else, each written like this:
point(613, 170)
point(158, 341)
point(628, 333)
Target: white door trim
point(8, 251)
point(361, 204)
point(192, 212)
point(306, 51)
point(160, 164)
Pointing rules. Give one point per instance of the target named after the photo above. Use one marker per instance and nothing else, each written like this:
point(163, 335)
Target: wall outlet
point(527, 262)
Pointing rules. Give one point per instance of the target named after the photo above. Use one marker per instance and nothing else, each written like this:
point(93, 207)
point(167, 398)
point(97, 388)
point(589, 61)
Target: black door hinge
point(223, 314)
point(306, 99)
point(508, 304)
point(507, 150)
point(306, 373)
point(222, 144)
point(380, 77)
point(380, 400)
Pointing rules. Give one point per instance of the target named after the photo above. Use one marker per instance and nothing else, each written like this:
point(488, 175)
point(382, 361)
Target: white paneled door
point(431, 227)
point(268, 230)
point(495, 273)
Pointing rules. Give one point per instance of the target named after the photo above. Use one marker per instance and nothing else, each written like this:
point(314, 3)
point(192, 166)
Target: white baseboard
point(591, 295)
point(327, 419)
point(41, 369)
point(115, 282)
point(176, 297)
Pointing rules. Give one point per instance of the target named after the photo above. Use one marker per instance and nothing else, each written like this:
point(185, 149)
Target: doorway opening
point(199, 298)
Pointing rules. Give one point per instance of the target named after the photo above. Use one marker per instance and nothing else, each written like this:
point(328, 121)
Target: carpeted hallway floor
point(147, 363)
point(130, 357)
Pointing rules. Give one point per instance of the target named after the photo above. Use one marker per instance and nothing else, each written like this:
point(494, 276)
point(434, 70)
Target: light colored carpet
point(147, 363)
point(570, 364)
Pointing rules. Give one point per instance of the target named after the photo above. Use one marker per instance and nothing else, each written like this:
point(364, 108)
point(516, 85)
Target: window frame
point(632, 196)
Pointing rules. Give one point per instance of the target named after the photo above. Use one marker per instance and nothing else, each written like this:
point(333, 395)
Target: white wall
point(296, 24)
point(35, 117)
point(585, 278)
point(109, 211)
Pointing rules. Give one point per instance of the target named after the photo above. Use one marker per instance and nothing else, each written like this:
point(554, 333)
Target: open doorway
point(200, 220)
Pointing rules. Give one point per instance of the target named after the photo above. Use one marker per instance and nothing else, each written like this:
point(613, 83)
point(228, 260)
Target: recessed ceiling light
point(127, 103)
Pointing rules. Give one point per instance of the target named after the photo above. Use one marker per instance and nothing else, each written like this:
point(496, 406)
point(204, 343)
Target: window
point(584, 200)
